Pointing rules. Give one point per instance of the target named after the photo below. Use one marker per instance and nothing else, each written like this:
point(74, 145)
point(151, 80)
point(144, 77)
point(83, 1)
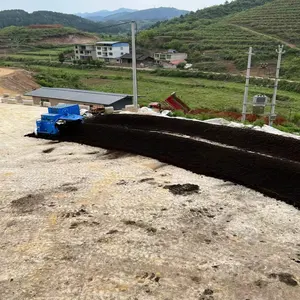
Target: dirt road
point(79, 222)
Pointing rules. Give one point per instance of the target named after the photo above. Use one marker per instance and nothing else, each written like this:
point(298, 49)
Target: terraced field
point(278, 18)
point(214, 38)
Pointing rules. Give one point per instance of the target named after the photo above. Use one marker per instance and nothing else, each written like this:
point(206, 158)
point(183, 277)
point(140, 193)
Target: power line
point(115, 25)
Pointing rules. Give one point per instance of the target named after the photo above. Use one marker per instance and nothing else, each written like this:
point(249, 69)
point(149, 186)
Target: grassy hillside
point(278, 18)
point(15, 38)
point(217, 38)
point(228, 8)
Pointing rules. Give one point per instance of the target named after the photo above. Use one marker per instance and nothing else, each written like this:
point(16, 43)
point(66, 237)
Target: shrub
point(259, 123)
point(181, 65)
point(296, 119)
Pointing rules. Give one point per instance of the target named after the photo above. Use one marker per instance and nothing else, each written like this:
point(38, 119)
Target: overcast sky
point(74, 6)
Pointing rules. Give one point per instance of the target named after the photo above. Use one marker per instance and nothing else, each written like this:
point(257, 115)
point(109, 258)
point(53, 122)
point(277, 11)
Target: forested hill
point(145, 18)
point(23, 18)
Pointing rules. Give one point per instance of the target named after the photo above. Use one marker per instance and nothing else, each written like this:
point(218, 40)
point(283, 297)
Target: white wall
point(117, 50)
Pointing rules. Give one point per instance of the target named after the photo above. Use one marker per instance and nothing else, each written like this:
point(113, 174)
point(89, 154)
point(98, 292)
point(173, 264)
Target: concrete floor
point(79, 222)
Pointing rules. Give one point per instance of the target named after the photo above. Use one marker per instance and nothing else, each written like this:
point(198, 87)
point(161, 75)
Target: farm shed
point(140, 59)
point(92, 98)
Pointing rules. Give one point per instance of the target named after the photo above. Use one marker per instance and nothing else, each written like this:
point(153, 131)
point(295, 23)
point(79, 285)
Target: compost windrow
point(271, 176)
point(244, 138)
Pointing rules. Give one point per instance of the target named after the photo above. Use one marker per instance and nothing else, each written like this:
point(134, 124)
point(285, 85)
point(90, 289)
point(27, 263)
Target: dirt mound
point(17, 81)
point(69, 39)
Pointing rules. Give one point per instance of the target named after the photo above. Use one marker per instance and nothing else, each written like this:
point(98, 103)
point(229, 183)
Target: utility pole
point(244, 111)
point(280, 51)
point(134, 76)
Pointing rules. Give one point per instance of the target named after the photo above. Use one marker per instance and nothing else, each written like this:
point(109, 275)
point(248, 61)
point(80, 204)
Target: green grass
point(33, 57)
point(196, 92)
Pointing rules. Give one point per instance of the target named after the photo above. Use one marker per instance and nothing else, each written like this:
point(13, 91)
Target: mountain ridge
point(159, 13)
point(22, 18)
point(105, 13)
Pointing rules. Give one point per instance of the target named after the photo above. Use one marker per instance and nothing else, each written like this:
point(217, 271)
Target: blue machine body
point(58, 115)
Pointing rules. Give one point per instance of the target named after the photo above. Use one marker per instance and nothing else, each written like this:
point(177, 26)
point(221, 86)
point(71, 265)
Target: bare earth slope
point(79, 222)
point(16, 81)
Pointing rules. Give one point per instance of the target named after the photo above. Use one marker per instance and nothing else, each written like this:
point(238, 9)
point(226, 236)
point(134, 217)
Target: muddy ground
point(80, 222)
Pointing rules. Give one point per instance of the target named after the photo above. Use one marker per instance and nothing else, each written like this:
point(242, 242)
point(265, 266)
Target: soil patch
point(49, 150)
point(70, 39)
point(111, 154)
point(140, 224)
point(286, 278)
point(28, 203)
point(183, 189)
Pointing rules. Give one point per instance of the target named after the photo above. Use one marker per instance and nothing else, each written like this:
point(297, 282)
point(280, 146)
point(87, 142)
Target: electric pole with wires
point(245, 102)
point(272, 116)
point(134, 75)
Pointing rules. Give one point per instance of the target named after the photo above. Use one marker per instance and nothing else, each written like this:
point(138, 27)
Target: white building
point(105, 51)
point(108, 51)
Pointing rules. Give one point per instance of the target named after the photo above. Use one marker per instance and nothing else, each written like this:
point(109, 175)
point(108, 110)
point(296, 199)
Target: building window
point(169, 56)
point(110, 48)
point(99, 48)
point(81, 52)
point(110, 53)
point(122, 53)
point(77, 51)
point(99, 53)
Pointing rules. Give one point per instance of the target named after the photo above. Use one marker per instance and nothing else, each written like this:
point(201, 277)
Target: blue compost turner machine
point(60, 119)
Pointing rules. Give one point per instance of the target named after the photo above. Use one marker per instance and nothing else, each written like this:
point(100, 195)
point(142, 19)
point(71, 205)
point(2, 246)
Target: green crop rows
point(279, 19)
point(220, 37)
